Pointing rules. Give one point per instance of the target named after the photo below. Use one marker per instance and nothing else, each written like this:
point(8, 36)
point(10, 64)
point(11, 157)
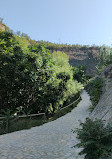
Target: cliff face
point(88, 57)
point(103, 110)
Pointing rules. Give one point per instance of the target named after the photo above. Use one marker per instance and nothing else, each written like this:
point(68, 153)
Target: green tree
point(31, 78)
point(23, 74)
point(67, 88)
point(79, 74)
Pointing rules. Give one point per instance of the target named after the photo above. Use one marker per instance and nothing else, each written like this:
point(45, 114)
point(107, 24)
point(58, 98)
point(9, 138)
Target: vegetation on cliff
point(94, 89)
point(105, 56)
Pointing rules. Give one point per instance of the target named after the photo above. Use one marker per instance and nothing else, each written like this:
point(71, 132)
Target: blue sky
point(61, 21)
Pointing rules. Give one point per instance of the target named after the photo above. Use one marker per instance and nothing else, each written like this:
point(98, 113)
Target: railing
point(24, 116)
point(70, 104)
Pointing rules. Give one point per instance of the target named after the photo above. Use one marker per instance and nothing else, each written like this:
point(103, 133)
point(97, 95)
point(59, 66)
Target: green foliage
point(32, 78)
point(80, 75)
point(23, 74)
point(66, 47)
point(105, 56)
point(19, 124)
point(61, 63)
point(94, 88)
point(65, 87)
point(23, 42)
point(64, 111)
point(16, 124)
point(7, 118)
point(95, 139)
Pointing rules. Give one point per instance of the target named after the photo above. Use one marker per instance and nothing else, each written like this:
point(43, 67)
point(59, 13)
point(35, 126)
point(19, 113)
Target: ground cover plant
point(95, 139)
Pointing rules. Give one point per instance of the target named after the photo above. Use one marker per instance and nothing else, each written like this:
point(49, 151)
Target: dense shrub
point(64, 79)
point(105, 56)
point(95, 139)
point(31, 78)
point(23, 75)
point(79, 74)
point(94, 88)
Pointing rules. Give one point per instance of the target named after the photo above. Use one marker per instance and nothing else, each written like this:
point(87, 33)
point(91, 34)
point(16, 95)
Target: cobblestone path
point(52, 140)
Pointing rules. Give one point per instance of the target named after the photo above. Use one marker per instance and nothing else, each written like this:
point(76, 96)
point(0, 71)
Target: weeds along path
point(52, 140)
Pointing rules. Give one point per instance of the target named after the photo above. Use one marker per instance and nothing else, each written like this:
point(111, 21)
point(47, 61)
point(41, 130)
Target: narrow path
point(52, 140)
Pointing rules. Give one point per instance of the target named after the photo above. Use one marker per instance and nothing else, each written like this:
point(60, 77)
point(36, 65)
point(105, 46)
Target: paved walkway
point(52, 140)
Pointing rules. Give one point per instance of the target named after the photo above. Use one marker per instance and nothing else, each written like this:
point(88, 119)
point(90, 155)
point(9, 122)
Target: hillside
point(88, 57)
point(37, 80)
point(78, 55)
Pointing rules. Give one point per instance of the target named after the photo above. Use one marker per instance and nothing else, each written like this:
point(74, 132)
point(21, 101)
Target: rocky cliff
point(86, 56)
point(103, 110)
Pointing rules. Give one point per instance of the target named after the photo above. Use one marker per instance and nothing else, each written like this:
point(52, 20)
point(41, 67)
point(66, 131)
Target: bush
point(18, 124)
point(79, 74)
point(94, 89)
point(24, 74)
point(95, 139)
point(31, 78)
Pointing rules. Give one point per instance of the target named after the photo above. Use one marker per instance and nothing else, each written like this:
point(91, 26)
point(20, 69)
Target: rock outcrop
point(103, 110)
point(86, 56)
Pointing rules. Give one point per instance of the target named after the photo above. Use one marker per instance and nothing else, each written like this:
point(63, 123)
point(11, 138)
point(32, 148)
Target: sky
point(85, 22)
